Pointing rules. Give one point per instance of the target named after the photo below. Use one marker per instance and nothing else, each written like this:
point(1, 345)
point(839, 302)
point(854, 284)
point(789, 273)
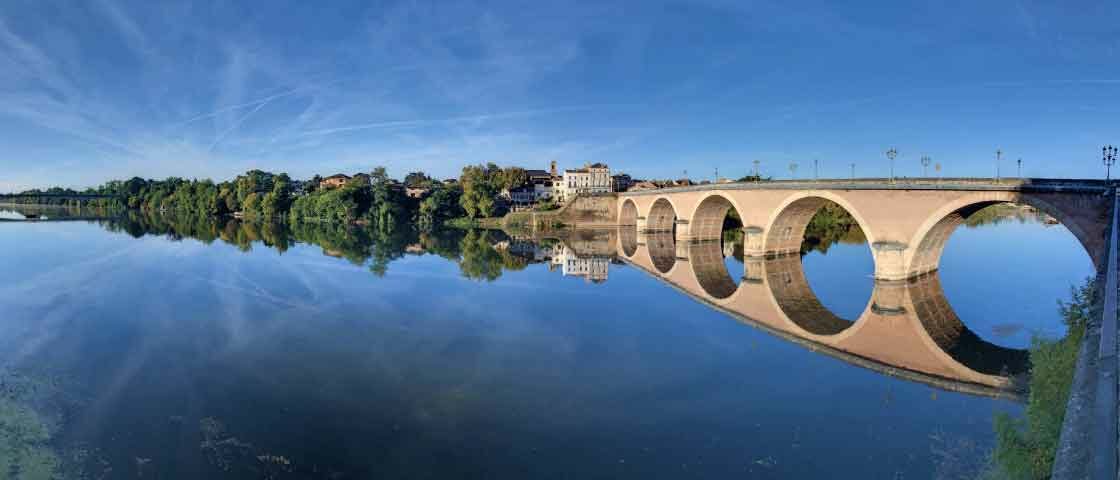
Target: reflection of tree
point(480, 260)
point(831, 224)
point(372, 246)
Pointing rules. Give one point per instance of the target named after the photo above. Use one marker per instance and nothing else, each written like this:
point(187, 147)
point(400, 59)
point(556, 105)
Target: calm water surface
point(196, 349)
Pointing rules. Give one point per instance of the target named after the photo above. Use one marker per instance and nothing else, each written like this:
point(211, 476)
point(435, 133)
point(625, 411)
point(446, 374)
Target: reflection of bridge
point(907, 329)
point(907, 225)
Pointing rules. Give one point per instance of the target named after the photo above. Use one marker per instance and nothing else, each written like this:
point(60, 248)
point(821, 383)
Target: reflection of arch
point(662, 216)
point(787, 227)
point(662, 250)
point(628, 238)
point(954, 338)
point(796, 299)
point(934, 234)
point(628, 214)
point(710, 271)
point(706, 222)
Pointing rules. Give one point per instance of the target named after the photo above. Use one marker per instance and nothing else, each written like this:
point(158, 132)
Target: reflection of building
point(593, 268)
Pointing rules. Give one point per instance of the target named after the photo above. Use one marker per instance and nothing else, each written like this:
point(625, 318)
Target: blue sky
point(106, 89)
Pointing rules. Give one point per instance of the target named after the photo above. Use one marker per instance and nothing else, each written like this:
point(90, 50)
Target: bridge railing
point(978, 184)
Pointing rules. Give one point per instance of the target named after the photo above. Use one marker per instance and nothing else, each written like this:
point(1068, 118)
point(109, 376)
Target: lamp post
point(853, 171)
point(937, 168)
point(1108, 157)
point(756, 174)
point(1019, 168)
point(999, 154)
point(793, 170)
point(925, 166)
point(890, 155)
point(816, 169)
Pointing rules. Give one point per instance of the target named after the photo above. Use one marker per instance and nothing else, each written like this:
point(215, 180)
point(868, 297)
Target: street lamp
point(793, 170)
point(999, 154)
point(853, 171)
point(925, 166)
point(756, 174)
point(1108, 156)
point(1019, 168)
point(816, 171)
point(891, 154)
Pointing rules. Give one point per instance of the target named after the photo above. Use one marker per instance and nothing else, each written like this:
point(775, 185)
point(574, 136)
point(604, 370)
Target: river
point(194, 348)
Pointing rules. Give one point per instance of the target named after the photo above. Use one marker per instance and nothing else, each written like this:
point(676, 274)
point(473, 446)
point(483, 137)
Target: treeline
point(369, 199)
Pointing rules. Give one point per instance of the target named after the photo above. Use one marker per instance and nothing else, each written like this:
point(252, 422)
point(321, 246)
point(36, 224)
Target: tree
point(417, 179)
point(513, 177)
point(479, 188)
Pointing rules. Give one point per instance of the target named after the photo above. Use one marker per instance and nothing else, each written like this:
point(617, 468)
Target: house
point(591, 179)
point(522, 195)
point(621, 182)
point(334, 181)
point(417, 192)
point(642, 185)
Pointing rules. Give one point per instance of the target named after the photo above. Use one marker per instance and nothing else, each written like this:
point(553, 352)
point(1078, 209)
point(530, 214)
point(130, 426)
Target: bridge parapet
point(906, 228)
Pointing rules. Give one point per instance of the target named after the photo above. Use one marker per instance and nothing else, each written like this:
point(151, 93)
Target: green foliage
point(481, 183)
point(418, 179)
point(441, 205)
point(753, 178)
point(830, 225)
point(480, 260)
point(1025, 447)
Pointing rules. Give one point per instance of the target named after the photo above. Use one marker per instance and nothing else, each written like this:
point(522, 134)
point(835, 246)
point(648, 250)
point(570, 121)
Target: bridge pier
point(890, 261)
point(754, 242)
point(684, 232)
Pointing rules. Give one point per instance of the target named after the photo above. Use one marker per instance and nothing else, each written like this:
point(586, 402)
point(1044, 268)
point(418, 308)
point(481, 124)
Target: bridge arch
point(946, 333)
point(708, 267)
point(706, 222)
point(662, 250)
point(662, 216)
point(794, 298)
point(785, 229)
point(628, 214)
point(931, 237)
point(628, 240)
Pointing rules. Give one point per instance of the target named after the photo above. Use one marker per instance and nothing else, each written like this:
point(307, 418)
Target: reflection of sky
point(1004, 280)
point(429, 373)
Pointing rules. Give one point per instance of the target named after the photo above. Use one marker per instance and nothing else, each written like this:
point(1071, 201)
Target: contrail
point(468, 118)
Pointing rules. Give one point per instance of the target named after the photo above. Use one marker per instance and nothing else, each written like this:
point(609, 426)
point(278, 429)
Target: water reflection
point(907, 329)
point(321, 354)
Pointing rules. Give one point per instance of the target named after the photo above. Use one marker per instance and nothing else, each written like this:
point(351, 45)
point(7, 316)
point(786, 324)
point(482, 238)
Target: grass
point(1025, 447)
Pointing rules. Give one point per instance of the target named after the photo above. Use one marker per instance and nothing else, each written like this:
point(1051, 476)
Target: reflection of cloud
point(1005, 330)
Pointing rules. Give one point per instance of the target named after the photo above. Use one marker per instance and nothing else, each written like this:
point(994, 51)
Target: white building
point(591, 179)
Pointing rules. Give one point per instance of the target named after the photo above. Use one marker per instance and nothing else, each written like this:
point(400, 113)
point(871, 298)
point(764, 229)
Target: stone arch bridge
point(906, 224)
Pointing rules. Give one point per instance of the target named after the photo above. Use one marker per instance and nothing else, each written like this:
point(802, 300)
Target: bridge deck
point(957, 184)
